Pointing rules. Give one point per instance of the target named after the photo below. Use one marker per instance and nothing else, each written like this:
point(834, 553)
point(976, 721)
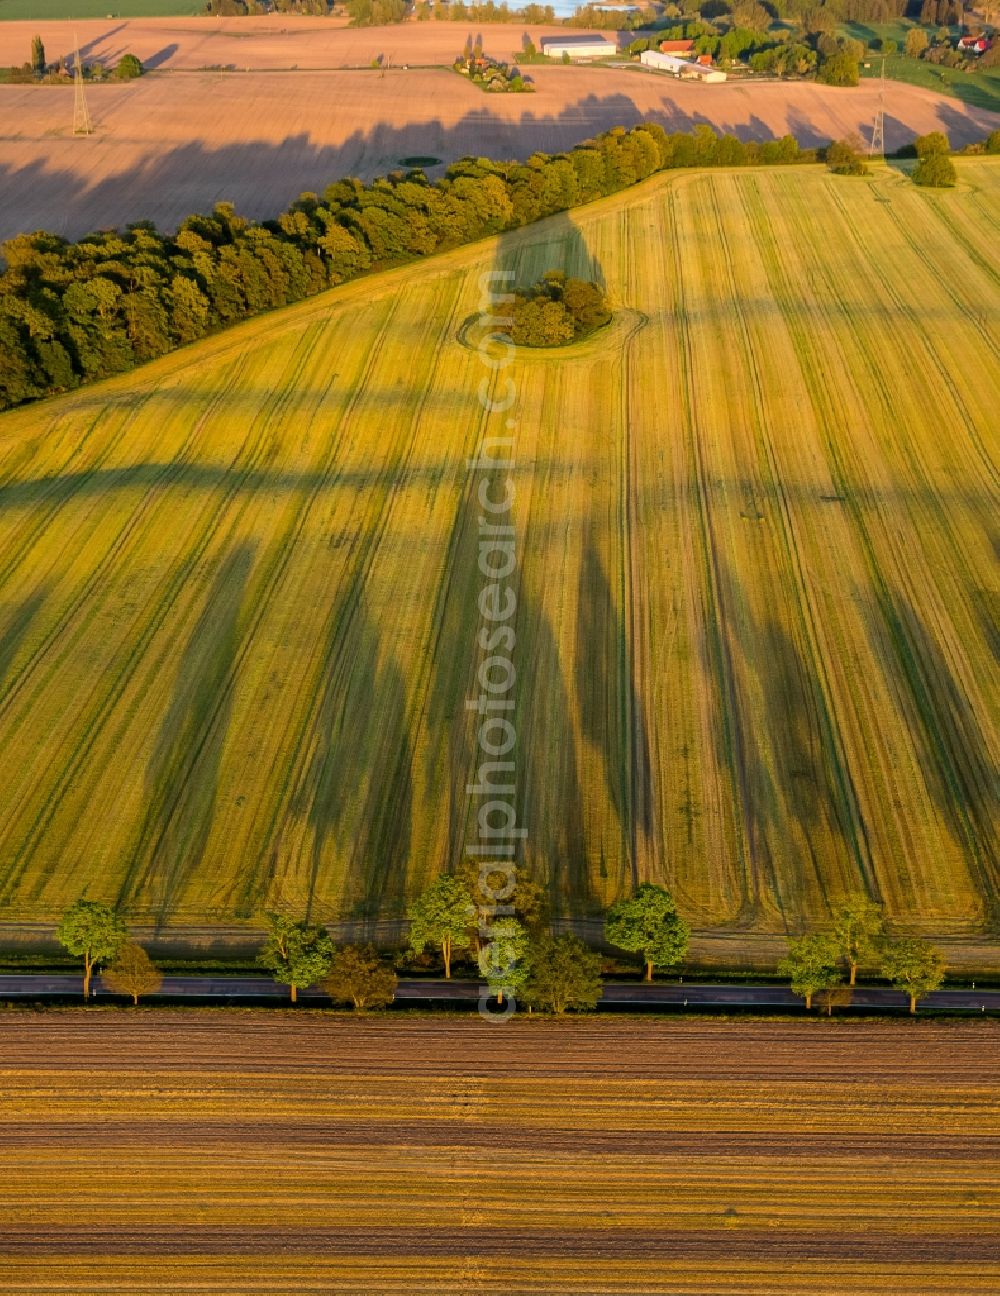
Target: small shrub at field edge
point(132, 973)
point(359, 977)
point(843, 157)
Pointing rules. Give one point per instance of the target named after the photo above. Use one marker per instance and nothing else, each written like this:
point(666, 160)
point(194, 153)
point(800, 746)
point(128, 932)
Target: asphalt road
point(618, 995)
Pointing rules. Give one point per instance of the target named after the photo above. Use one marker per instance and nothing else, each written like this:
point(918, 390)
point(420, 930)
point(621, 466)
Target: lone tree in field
point(565, 975)
point(133, 973)
point(297, 954)
point(504, 959)
point(442, 916)
point(916, 42)
point(93, 931)
point(128, 68)
point(648, 923)
point(359, 977)
point(37, 56)
point(857, 929)
point(914, 966)
point(811, 965)
point(935, 171)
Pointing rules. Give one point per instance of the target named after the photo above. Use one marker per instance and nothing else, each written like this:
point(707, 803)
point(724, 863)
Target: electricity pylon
point(877, 148)
point(82, 125)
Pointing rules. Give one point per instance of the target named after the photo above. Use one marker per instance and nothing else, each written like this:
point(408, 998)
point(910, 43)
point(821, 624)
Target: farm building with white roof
point(578, 47)
point(680, 67)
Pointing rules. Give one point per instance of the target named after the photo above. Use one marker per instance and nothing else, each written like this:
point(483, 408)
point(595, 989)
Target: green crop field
point(55, 10)
point(757, 615)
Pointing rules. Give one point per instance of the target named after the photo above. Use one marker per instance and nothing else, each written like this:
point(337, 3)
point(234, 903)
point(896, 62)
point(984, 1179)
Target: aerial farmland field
point(756, 632)
point(681, 1158)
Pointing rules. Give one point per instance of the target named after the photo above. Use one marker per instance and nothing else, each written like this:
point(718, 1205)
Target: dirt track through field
point(256, 1152)
point(178, 142)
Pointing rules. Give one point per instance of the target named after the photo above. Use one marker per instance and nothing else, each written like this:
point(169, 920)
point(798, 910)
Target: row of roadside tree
point(516, 952)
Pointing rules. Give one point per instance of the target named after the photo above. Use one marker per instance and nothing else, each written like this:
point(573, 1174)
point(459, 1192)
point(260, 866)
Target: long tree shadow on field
point(955, 763)
point(182, 779)
point(776, 739)
point(15, 629)
point(549, 794)
point(357, 788)
point(611, 712)
point(455, 659)
point(815, 785)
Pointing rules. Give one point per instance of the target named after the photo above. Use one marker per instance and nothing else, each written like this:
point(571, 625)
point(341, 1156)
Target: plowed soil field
point(247, 1154)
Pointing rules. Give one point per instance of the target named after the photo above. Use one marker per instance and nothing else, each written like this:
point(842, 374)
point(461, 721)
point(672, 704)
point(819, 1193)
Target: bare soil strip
point(256, 1152)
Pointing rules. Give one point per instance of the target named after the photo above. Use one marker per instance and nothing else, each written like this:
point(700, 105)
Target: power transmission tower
point(82, 125)
point(877, 148)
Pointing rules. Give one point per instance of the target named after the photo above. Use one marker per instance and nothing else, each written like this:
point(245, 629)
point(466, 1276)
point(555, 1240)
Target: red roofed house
point(974, 44)
point(679, 47)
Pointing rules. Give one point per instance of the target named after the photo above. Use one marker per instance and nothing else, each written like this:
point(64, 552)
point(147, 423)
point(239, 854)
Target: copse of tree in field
point(442, 916)
point(37, 56)
point(74, 312)
point(647, 923)
point(132, 972)
point(556, 311)
point(914, 966)
point(359, 977)
point(565, 976)
point(93, 931)
point(811, 965)
point(297, 954)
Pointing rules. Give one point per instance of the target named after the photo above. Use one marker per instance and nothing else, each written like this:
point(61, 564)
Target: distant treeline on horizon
point(379, 12)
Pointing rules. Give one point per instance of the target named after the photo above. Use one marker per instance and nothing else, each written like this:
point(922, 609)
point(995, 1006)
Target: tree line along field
point(756, 622)
point(691, 1158)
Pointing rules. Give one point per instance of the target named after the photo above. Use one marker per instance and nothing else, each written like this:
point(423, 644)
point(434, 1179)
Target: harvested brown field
point(258, 1152)
point(178, 142)
point(269, 43)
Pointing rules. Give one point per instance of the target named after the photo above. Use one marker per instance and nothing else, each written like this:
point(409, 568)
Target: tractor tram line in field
point(333, 660)
point(136, 514)
point(825, 742)
point(822, 397)
point(176, 584)
point(916, 668)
